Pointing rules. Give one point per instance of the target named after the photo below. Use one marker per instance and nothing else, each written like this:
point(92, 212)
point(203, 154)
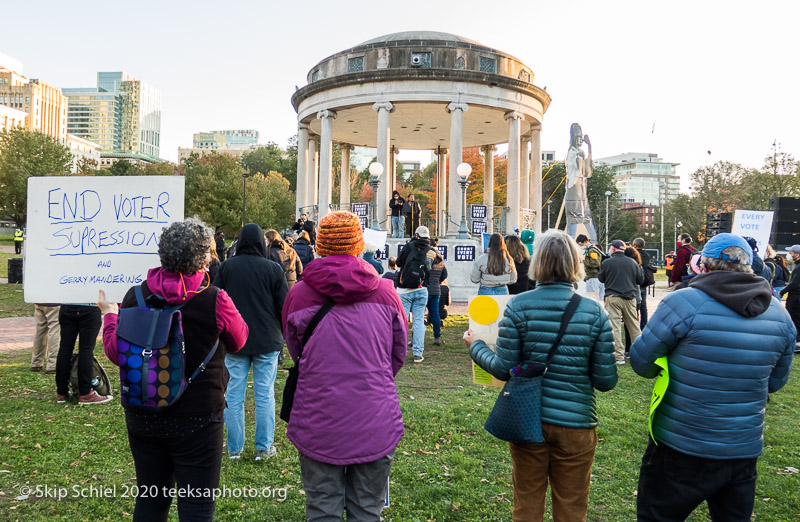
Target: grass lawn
point(446, 467)
point(12, 303)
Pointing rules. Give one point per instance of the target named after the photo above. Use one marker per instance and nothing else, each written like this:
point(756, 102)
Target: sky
point(694, 81)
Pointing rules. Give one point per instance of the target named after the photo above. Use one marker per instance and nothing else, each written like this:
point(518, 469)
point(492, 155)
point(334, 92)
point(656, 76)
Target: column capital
point(439, 151)
point(488, 149)
point(302, 126)
point(526, 138)
point(346, 146)
point(326, 113)
point(388, 106)
point(454, 106)
point(536, 128)
point(516, 115)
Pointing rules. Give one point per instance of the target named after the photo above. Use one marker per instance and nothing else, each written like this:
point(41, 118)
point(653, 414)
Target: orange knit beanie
point(340, 234)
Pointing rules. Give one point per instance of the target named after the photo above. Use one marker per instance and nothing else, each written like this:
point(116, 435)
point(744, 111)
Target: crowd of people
point(723, 335)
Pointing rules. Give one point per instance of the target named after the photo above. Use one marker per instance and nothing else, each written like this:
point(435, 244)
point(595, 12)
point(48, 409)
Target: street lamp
point(608, 193)
point(244, 194)
point(549, 204)
point(463, 170)
point(375, 169)
point(661, 185)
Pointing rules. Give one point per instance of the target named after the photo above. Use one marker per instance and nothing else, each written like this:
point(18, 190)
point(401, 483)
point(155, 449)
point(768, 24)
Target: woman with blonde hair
point(582, 362)
point(284, 255)
point(494, 269)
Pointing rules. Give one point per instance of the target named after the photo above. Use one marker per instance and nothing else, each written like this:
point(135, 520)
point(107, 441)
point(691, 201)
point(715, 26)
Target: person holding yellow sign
point(719, 346)
point(582, 363)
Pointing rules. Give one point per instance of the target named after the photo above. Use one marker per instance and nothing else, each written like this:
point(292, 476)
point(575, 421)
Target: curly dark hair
point(183, 246)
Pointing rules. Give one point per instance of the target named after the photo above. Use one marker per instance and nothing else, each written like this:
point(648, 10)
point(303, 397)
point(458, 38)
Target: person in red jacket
point(682, 257)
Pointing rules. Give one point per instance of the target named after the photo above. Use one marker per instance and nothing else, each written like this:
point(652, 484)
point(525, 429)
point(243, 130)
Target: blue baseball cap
point(720, 242)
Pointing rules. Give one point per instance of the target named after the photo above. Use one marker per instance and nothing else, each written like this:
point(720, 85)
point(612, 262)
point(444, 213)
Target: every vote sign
point(87, 233)
point(753, 223)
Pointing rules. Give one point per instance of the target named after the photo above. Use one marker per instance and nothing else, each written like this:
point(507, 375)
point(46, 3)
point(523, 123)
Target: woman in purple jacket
point(345, 419)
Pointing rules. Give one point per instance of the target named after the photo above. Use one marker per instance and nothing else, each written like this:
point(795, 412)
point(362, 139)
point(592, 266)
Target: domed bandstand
point(422, 90)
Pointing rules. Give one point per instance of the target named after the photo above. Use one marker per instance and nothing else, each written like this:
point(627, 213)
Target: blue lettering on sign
point(74, 207)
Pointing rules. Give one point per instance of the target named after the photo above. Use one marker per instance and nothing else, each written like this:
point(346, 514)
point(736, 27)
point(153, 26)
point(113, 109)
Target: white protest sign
point(376, 237)
point(87, 233)
point(754, 223)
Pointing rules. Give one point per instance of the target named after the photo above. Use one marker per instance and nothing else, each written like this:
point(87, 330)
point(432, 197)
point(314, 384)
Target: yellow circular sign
point(484, 310)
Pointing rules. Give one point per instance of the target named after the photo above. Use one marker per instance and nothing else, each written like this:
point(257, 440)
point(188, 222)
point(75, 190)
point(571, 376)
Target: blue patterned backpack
point(152, 356)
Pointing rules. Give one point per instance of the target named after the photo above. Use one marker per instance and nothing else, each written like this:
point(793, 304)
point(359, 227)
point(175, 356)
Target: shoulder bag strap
point(570, 311)
point(324, 309)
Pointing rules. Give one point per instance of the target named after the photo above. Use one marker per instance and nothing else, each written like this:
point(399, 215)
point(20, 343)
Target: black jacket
point(793, 287)
point(621, 275)
point(523, 283)
point(308, 226)
point(258, 289)
point(396, 205)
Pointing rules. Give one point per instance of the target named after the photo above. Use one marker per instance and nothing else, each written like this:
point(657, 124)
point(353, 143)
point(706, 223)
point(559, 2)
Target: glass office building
point(122, 114)
point(638, 177)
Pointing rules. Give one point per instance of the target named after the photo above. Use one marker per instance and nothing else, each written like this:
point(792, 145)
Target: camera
point(416, 60)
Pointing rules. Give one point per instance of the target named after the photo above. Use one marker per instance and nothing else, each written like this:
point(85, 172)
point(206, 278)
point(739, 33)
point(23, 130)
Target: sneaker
point(235, 456)
point(36, 368)
point(438, 341)
point(409, 344)
point(62, 398)
point(94, 398)
point(418, 358)
point(620, 363)
point(266, 454)
point(49, 372)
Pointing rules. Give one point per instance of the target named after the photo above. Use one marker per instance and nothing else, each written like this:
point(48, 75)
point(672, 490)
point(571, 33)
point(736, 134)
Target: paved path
point(16, 333)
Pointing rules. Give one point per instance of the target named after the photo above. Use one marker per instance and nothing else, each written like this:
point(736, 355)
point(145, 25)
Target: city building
point(184, 153)
point(82, 149)
point(122, 115)
point(11, 118)
point(226, 139)
point(639, 177)
point(44, 104)
point(411, 167)
point(645, 213)
point(548, 156)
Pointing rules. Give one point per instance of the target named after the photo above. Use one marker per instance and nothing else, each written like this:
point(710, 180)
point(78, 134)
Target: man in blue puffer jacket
point(728, 344)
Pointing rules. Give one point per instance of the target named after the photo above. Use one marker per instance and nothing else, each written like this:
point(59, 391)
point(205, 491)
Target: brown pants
point(566, 460)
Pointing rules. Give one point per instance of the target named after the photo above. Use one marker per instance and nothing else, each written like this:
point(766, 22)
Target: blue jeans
point(493, 290)
point(398, 226)
point(415, 302)
point(265, 367)
point(433, 315)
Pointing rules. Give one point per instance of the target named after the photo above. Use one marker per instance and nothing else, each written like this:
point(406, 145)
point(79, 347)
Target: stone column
point(313, 172)
point(488, 184)
point(512, 188)
point(536, 177)
point(393, 170)
point(441, 191)
point(383, 157)
point(302, 166)
point(456, 111)
point(344, 177)
point(524, 172)
point(325, 162)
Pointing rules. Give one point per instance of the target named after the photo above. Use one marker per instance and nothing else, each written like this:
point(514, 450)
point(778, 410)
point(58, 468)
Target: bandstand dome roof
point(419, 35)
point(420, 73)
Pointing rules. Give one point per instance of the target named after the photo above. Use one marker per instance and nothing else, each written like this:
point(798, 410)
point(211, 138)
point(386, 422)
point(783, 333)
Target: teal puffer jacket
point(584, 360)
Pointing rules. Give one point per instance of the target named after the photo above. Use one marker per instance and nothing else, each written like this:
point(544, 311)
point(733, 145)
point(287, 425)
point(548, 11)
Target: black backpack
point(414, 272)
